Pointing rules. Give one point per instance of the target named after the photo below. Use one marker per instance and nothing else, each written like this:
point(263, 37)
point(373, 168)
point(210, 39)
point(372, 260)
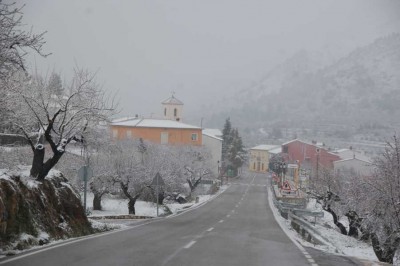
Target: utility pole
point(316, 176)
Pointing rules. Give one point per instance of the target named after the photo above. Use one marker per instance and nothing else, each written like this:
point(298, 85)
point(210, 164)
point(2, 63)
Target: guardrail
point(307, 231)
point(303, 227)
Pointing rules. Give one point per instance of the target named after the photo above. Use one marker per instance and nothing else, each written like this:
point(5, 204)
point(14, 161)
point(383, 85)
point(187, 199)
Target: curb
point(128, 216)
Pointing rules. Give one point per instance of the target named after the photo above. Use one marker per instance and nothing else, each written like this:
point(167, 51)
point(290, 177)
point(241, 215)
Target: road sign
point(85, 173)
point(286, 186)
point(292, 166)
point(158, 181)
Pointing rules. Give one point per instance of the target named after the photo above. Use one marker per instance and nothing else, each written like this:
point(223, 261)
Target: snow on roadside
point(346, 244)
point(340, 243)
point(116, 206)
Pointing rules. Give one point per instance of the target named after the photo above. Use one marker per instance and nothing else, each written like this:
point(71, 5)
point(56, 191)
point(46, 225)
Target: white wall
point(359, 167)
point(215, 147)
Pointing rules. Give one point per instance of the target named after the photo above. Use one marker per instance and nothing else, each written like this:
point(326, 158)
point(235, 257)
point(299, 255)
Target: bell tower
point(172, 108)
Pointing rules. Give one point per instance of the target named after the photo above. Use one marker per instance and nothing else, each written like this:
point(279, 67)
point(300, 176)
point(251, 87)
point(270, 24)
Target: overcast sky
point(201, 49)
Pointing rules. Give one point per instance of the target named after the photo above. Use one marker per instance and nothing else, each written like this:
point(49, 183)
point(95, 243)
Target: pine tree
point(233, 154)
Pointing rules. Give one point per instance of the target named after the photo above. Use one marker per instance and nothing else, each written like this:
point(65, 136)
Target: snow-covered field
point(337, 243)
point(115, 206)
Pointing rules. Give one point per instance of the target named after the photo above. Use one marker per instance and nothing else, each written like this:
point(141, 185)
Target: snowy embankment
point(338, 244)
point(115, 206)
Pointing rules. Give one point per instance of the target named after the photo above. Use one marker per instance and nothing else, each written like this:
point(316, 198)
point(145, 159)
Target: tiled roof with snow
point(212, 132)
point(172, 100)
point(353, 159)
point(264, 147)
point(154, 123)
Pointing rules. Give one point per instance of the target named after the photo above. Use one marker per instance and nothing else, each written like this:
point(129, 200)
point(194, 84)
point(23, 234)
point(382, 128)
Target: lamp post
point(219, 172)
point(282, 167)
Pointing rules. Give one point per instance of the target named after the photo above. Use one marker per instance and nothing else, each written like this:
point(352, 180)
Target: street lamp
point(281, 167)
point(219, 172)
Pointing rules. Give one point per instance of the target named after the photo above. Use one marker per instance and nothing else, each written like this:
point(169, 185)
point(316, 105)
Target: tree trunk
point(353, 223)
point(97, 202)
point(39, 170)
point(387, 252)
point(37, 162)
point(131, 206)
point(341, 227)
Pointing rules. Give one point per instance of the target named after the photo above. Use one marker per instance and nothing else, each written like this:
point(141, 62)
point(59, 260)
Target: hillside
point(359, 90)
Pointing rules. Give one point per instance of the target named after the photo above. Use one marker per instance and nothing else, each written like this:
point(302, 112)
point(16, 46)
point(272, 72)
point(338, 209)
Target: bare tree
point(15, 42)
point(382, 196)
point(55, 120)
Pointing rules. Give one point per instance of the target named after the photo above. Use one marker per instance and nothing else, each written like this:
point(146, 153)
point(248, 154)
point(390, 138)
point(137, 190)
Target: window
point(115, 133)
point(194, 136)
point(175, 112)
point(164, 137)
point(165, 111)
point(128, 134)
point(285, 149)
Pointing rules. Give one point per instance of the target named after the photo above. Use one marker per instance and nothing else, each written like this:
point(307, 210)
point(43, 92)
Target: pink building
point(307, 154)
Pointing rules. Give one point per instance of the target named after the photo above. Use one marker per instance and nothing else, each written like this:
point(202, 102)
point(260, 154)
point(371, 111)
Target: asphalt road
point(236, 228)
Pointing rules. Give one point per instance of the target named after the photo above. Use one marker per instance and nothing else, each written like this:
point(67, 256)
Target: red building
point(308, 154)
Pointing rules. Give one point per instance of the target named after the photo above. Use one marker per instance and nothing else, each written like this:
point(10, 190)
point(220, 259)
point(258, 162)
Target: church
point(166, 130)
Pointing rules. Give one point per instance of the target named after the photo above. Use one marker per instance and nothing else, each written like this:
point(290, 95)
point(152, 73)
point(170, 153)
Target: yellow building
point(259, 157)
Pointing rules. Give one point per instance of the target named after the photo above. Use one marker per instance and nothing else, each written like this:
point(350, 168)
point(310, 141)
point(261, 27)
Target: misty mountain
point(360, 88)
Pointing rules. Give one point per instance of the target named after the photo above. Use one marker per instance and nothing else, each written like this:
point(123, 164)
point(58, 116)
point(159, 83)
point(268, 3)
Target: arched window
point(175, 112)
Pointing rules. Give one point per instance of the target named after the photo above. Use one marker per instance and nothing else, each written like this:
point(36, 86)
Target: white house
point(212, 139)
point(351, 153)
point(353, 166)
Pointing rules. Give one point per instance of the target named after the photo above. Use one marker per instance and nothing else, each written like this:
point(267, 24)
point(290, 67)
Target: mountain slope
point(362, 87)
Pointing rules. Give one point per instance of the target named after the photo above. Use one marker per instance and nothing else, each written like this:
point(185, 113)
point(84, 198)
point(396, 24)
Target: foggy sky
point(202, 50)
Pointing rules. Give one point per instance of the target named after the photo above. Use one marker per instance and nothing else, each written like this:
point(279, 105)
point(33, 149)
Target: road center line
point(210, 229)
point(191, 243)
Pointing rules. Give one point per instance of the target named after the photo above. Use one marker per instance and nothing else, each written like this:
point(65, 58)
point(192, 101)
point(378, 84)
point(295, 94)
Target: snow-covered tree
point(381, 195)
point(233, 154)
point(53, 119)
point(15, 41)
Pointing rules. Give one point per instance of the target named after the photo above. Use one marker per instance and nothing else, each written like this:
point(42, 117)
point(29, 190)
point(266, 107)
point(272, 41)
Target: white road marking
point(210, 229)
point(191, 243)
point(221, 221)
point(228, 215)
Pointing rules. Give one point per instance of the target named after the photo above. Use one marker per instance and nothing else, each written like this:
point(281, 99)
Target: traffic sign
point(158, 181)
point(85, 173)
point(292, 166)
point(286, 186)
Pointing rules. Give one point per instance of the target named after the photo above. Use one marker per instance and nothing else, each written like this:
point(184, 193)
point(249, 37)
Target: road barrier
point(294, 212)
point(307, 231)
